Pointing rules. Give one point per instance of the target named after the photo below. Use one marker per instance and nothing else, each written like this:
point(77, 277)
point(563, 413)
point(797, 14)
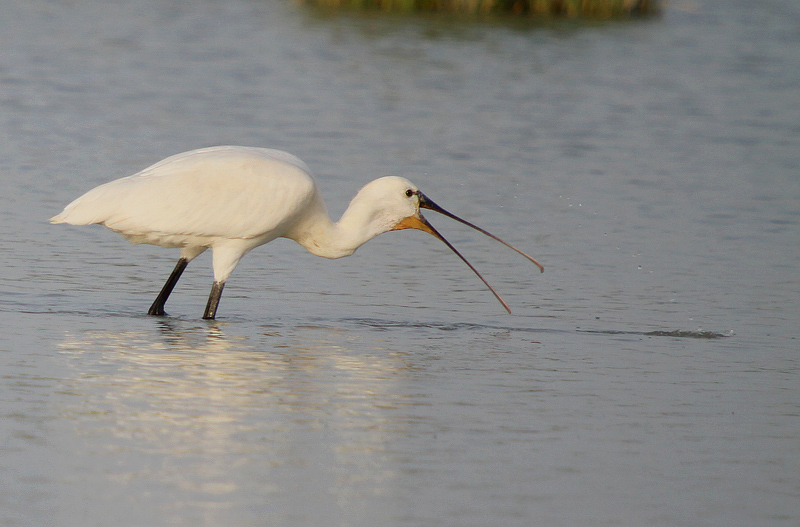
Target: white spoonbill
point(232, 199)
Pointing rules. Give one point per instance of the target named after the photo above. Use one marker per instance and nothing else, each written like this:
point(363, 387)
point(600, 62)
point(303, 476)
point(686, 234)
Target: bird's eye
point(410, 192)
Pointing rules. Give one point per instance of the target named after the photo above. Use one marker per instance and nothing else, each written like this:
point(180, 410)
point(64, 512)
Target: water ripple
point(468, 326)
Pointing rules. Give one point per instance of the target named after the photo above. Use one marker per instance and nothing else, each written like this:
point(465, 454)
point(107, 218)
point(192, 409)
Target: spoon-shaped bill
point(426, 203)
point(420, 223)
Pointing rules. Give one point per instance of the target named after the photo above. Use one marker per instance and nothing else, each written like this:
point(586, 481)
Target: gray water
point(648, 378)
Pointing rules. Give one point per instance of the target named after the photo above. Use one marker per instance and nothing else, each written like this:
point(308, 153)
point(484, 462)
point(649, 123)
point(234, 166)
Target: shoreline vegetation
point(567, 9)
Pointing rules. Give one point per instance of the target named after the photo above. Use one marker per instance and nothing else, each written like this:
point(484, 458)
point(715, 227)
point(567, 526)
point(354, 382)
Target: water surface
point(648, 377)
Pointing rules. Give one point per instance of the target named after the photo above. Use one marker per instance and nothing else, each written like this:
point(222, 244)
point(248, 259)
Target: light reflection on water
point(198, 369)
point(216, 405)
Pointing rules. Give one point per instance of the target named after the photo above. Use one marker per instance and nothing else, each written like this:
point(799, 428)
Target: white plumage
point(232, 199)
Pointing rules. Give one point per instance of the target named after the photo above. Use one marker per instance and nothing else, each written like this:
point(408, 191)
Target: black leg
point(158, 306)
point(213, 300)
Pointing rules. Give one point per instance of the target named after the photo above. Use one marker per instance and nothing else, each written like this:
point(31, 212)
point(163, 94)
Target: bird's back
point(207, 194)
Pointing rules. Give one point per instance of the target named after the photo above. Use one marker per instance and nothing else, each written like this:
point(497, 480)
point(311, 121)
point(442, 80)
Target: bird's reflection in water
point(197, 406)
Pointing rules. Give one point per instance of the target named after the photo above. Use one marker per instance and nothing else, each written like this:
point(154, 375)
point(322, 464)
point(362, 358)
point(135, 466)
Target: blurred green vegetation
point(590, 9)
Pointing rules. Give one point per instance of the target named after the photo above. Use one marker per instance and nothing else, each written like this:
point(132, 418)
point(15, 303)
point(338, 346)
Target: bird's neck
point(323, 237)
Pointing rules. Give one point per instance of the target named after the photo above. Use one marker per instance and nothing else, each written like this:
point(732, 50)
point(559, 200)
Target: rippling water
point(648, 377)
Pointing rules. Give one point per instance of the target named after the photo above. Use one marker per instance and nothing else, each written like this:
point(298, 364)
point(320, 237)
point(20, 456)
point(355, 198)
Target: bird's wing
point(231, 192)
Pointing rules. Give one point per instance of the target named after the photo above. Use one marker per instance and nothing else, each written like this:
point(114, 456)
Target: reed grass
point(594, 9)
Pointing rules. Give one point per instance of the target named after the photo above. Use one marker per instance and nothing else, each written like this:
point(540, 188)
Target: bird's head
point(385, 202)
point(394, 204)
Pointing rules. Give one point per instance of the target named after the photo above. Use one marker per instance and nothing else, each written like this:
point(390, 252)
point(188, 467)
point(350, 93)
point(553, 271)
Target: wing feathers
point(231, 192)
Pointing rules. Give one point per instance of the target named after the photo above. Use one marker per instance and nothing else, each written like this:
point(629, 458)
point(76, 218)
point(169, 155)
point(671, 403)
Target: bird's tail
point(82, 211)
point(59, 218)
